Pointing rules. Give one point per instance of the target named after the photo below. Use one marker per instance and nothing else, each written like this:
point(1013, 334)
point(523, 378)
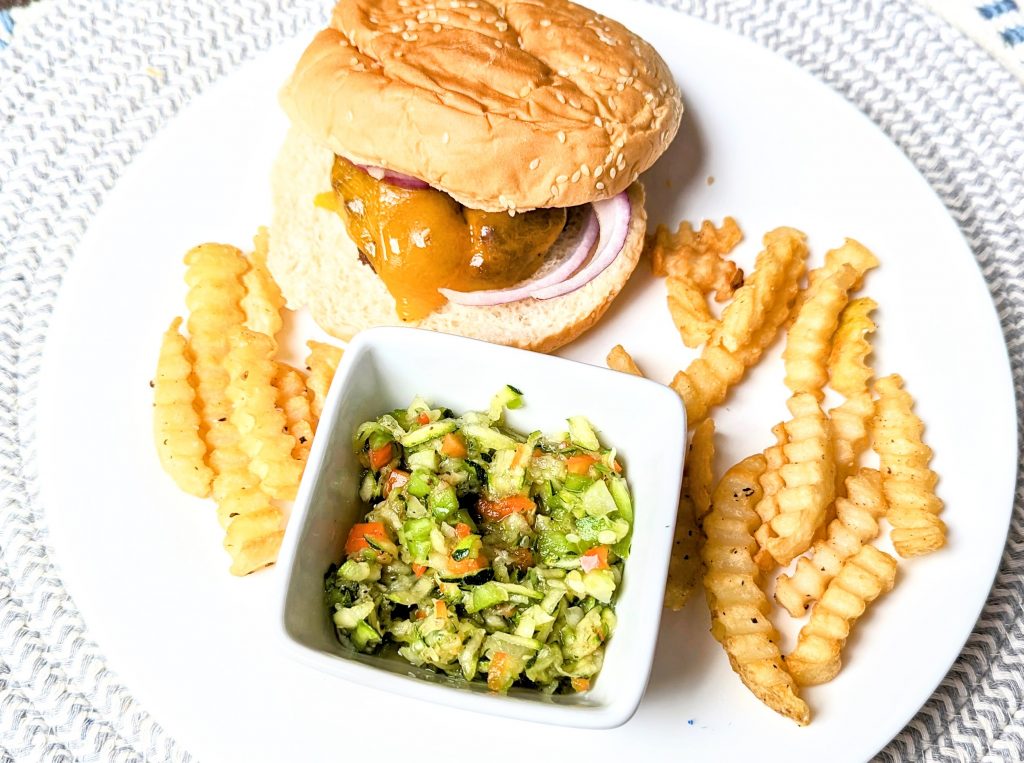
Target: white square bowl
point(384, 369)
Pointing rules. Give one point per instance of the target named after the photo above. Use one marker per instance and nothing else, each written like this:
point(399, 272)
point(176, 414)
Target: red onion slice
point(613, 216)
point(395, 178)
point(577, 240)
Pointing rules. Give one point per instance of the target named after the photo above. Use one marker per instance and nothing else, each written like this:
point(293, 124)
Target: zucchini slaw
point(484, 554)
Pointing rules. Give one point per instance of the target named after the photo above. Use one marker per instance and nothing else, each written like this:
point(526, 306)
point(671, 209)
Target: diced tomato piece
point(395, 480)
point(453, 445)
point(423, 418)
point(595, 558)
point(381, 457)
point(497, 675)
point(517, 459)
point(580, 463)
point(495, 511)
point(357, 536)
point(462, 530)
point(580, 684)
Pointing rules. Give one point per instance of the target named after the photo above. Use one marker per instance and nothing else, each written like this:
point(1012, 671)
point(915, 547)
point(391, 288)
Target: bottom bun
point(317, 266)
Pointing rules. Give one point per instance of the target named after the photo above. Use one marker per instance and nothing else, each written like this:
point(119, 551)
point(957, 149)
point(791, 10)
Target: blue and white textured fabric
point(77, 104)
point(1006, 17)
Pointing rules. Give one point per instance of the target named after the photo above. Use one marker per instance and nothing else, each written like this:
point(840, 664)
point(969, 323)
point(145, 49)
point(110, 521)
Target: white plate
point(144, 564)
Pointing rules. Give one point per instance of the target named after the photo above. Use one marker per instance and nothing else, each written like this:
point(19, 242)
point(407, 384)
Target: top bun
point(504, 105)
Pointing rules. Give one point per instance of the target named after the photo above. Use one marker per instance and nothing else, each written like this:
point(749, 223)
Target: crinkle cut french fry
point(849, 373)
point(749, 323)
point(861, 580)
point(809, 474)
point(620, 360)
point(700, 466)
point(322, 362)
point(260, 423)
point(856, 523)
point(262, 303)
point(699, 256)
point(809, 338)
point(253, 539)
point(907, 481)
point(852, 253)
point(771, 483)
point(684, 563)
point(775, 281)
point(690, 313)
point(293, 399)
point(694, 503)
point(740, 611)
point(181, 450)
point(215, 291)
point(850, 422)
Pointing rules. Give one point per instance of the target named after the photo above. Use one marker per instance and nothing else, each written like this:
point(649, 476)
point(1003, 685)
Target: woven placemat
point(80, 96)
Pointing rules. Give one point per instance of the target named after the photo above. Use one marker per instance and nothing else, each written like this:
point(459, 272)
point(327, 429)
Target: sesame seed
point(563, 73)
point(612, 173)
point(399, 53)
point(600, 186)
point(598, 170)
point(545, 22)
point(445, 138)
point(534, 164)
point(409, 37)
point(598, 122)
point(585, 170)
point(502, 200)
point(620, 87)
point(436, 28)
point(443, 18)
point(561, 178)
point(623, 71)
point(586, 58)
point(353, 61)
point(611, 102)
point(395, 29)
point(351, 116)
point(554, 190)
point(561, 137)
point(499, 44)
point(575, 176)
point(502, 26)
point(574, 103)
point(524, 91)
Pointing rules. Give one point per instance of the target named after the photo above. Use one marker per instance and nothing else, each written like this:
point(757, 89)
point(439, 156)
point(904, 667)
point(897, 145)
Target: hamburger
point(467, 166)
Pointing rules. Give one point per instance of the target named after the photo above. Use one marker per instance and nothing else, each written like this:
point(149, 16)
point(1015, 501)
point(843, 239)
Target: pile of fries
point(229, 420)
point(805, 499)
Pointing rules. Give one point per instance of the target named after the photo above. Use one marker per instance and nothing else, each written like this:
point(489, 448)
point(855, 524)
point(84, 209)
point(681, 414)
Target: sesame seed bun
point(504, 105)
point(317, 266)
